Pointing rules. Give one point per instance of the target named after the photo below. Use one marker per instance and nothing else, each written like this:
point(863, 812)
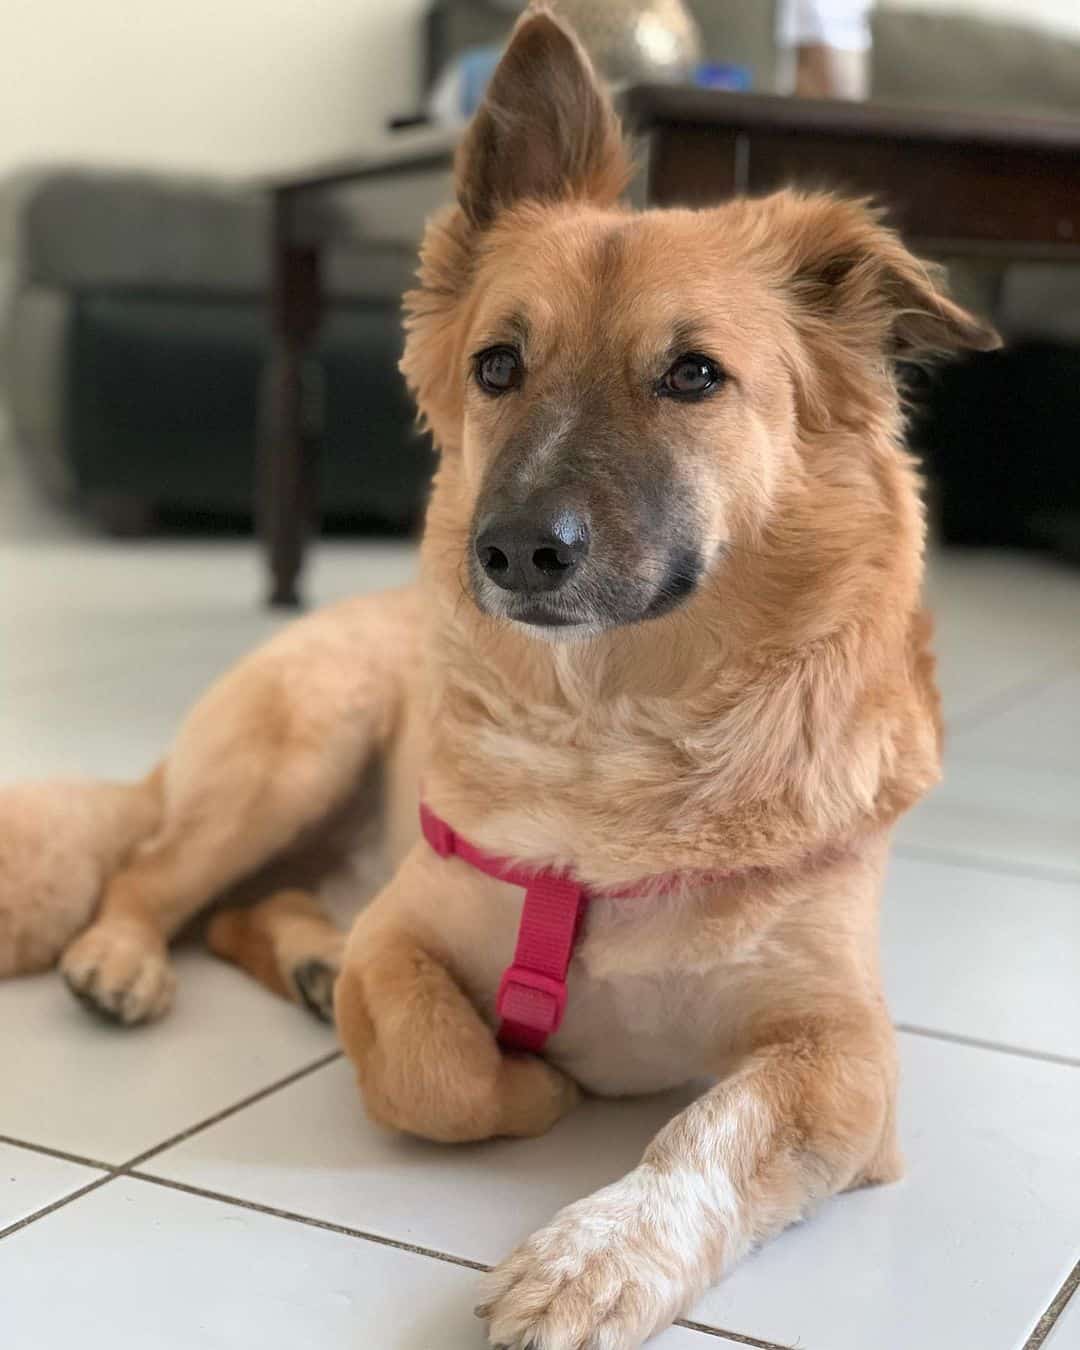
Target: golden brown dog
point(668, 627)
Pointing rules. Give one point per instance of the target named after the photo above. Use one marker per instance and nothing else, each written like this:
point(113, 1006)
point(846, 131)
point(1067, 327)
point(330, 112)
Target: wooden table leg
point(292, 413)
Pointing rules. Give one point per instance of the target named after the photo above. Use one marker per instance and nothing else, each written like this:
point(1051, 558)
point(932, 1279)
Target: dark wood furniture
point(956, 184)
point(291, 415)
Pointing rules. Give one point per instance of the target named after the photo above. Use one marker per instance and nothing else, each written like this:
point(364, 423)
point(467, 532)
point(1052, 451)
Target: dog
point(666, 668)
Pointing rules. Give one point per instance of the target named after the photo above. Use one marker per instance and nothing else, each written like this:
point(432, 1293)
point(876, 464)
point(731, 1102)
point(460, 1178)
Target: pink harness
point(532, 993)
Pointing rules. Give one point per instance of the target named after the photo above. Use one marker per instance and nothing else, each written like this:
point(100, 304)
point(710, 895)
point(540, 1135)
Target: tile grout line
point(379, 1240)
point(1057, 1306)
point(115, 1171)
point(94, 1185)
point(226, 1112)
point(975, 862)
point(448, 1258)
point(57, 1153)
point(128, 1169)
point(736, 1337)
point(998, 1047)
point(131, 1171)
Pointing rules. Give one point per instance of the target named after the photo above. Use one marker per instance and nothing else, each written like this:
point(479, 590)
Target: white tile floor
point(210, 1182)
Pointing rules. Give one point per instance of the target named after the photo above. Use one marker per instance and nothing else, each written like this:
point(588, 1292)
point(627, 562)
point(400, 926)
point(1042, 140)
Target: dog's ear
point(546, 128)
point(545, 131)
point(849, 272)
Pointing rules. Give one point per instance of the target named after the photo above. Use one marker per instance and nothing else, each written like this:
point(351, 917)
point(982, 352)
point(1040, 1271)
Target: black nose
point(530, 551)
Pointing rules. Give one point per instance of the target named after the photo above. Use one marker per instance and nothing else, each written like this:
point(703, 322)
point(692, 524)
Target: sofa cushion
point(161, 399)
point(77, 229)
point(961, 61)
point(83, 228)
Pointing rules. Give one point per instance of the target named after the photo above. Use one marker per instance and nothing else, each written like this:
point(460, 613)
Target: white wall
point(238, 86)
point(233, 86)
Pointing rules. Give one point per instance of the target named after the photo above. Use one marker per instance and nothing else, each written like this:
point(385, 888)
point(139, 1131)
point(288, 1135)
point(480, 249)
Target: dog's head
point(622, 398)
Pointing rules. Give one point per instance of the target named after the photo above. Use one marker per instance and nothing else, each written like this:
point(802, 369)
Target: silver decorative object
point(636, 40)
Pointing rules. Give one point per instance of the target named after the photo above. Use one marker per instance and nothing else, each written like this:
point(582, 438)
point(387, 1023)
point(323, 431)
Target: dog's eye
point(691, 376)
point(498, 369)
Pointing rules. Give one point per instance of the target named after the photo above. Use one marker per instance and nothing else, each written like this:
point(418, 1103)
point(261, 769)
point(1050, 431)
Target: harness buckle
point(530, 999)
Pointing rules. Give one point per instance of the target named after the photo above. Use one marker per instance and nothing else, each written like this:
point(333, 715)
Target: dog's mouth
point(552, 624)
point(544, 616)
point(557, 615)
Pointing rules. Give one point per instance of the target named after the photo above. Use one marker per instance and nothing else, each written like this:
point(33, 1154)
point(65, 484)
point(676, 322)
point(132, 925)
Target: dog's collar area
point(532, 994)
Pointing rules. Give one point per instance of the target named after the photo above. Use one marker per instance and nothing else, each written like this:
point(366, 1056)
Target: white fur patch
point(614, 1268)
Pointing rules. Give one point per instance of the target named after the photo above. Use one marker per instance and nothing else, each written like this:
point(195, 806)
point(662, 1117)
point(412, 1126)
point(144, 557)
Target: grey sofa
point(998, 431)
point(133, 339)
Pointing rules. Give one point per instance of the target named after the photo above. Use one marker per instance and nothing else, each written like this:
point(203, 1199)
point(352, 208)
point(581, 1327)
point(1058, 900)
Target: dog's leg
point(59, 841)
point(269, 753)
point(288, 944)
point(426, 1062)
point(226, 819)
point(804, 1116)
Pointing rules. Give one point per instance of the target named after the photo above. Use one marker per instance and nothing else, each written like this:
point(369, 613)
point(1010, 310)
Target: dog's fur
point(758, 738)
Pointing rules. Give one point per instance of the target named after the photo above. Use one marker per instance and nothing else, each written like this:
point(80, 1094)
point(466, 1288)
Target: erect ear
point(848, 271)
point(545, 129)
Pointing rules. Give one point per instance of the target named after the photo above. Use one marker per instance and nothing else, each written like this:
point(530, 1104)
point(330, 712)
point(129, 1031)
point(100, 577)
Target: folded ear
point(545, 129)
point(847, 270)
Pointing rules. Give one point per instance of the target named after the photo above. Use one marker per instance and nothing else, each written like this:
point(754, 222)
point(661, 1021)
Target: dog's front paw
point(120, 968)
point(601, 1276)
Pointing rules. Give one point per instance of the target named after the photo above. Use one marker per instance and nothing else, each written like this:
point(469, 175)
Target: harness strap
point(532, 992)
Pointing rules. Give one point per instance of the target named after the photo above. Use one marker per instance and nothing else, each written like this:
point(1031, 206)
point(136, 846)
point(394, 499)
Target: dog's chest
point(650, 1005)
point(638, 1031)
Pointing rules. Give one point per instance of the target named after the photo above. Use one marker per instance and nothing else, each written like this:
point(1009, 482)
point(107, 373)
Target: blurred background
point(138, 147)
